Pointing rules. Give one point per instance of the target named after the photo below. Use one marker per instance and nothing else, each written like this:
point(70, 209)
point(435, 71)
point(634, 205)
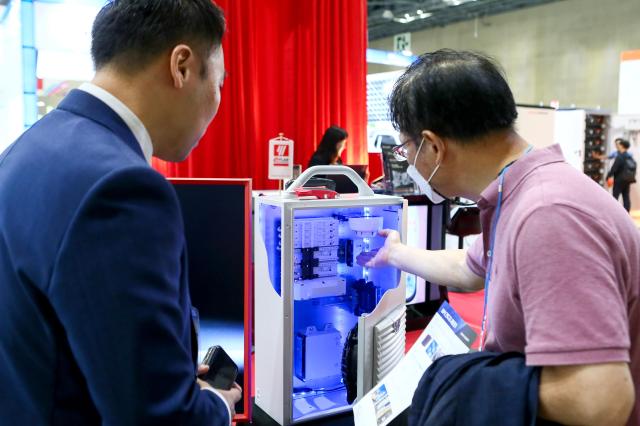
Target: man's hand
point(202, 369)
point(381, 257)
point(232, 396)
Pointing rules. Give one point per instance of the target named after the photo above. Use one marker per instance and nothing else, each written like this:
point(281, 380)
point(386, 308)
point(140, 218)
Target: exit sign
point(402, 42)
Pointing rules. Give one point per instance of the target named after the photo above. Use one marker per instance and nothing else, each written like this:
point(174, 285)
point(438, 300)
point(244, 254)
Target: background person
point(330, 149)
point(621, 175)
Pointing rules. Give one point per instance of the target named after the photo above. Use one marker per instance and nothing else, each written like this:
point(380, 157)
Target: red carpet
point(468, 306)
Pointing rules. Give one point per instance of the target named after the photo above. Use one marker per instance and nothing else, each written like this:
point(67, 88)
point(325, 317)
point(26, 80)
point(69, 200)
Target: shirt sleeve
point(219, 396)
point(571, 297)
point(475, 257)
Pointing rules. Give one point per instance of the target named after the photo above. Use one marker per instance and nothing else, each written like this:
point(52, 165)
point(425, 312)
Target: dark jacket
point(95, 313)
point(618, 165)
point(480, 388)
point(321, 159)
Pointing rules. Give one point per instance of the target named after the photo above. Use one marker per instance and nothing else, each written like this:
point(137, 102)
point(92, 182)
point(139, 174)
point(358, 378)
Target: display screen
point(417, 223)
point(215, 219)
point(396, 179)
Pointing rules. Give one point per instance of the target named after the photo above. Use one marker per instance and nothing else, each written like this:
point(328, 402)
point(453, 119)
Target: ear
point(181, 61)
point(436, 144)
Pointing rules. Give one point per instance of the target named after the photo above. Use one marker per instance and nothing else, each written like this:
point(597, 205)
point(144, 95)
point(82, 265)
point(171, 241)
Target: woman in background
point(330, 148)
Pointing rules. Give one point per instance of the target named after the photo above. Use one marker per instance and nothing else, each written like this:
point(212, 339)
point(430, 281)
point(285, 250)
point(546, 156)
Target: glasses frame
point(400, 151)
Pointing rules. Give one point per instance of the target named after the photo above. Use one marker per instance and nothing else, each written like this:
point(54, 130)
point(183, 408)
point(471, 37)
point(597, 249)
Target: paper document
point(446, 334)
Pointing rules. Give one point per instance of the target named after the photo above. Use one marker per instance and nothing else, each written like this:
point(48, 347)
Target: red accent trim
point(320, 193)
point(248, 285)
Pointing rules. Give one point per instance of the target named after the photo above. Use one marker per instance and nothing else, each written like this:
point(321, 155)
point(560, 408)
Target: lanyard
point(490, 253)
point(492, 240)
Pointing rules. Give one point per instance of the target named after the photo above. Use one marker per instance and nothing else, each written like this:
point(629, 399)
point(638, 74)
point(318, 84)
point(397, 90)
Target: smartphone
point(222, 370)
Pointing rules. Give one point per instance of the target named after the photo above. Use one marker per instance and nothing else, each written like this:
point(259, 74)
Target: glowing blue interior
point(321, 324)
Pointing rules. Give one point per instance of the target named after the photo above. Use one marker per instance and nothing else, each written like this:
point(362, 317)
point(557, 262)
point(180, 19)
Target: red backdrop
point(293, 66)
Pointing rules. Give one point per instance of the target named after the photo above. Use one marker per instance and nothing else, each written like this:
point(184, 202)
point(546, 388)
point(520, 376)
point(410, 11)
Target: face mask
point(424, 185)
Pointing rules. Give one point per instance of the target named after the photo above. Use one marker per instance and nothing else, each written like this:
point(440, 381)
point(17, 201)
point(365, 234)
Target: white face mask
point(424, 185)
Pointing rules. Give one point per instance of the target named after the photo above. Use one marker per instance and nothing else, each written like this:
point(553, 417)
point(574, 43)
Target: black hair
point(455, 94)
point(327, 150)
point(624, 143)
point(130, 34)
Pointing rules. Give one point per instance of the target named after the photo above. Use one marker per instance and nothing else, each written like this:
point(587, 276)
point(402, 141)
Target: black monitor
point(216, 215)
point(343, 184)
point(360, 169)
point(396, 179)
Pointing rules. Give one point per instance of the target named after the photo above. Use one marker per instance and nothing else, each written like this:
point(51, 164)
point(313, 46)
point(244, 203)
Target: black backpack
point(628, 172)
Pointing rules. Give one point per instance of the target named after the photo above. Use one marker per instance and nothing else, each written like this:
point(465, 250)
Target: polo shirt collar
point(522, 167)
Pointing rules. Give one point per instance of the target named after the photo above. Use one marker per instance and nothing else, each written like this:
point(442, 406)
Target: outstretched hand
point(381, 257)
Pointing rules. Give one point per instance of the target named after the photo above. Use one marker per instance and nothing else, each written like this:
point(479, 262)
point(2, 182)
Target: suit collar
point(82, 103)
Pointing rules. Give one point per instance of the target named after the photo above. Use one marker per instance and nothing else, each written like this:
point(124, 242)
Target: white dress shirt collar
point(130, 119)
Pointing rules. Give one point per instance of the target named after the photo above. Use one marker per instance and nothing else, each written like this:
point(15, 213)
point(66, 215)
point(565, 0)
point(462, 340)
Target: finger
point(363, 259)
point(202, 369)
point(384, 232)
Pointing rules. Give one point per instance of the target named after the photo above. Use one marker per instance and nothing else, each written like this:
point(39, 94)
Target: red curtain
point(294, 67)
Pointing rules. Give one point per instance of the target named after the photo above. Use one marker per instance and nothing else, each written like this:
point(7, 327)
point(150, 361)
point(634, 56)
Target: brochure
point(446, 334)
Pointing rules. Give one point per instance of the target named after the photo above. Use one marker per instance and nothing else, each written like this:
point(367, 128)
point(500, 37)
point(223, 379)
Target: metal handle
point(363, 188)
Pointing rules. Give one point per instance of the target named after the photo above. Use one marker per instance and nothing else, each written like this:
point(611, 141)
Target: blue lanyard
point(492, 241)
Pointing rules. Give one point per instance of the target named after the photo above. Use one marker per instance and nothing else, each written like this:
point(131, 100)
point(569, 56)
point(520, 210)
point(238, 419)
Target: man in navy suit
point(95, 315)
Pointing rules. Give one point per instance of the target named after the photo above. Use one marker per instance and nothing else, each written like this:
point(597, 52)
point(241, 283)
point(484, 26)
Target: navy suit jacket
point(95, 316)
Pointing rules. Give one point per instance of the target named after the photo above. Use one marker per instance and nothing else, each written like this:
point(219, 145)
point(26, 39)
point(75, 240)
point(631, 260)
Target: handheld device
point(222, 370)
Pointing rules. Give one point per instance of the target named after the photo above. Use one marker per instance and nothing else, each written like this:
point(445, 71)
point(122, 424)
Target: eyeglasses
point(400, 151)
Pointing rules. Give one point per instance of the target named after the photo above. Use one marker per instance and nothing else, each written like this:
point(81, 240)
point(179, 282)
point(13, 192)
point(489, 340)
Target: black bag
point(628, 172)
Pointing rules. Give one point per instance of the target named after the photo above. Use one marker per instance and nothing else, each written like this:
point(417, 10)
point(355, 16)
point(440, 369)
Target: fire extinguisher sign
point(280, 158)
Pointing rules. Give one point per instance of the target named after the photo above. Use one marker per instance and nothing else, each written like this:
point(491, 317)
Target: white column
point(11, 99)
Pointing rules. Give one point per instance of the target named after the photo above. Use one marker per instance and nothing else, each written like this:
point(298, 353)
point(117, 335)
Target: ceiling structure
point(390, 17)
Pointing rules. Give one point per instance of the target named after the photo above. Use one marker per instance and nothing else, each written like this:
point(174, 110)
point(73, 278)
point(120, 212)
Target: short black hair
point(455, 94)
point(624, 143)
point(130, 34)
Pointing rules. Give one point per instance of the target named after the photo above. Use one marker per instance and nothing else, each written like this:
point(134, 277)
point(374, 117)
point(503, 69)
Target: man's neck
point(130, 92)
point(487, 158)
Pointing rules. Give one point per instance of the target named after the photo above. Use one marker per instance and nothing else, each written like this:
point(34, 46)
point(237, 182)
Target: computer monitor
point(343, 184)
point(216, 215)
point(417, 223)
point(360, 169)
point(426, 223)
point(396, 179)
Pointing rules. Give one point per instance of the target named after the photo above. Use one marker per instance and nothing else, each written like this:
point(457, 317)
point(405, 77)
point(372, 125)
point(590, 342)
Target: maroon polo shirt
point(566, 268)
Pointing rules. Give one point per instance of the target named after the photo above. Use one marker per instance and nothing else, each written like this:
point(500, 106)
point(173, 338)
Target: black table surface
point(260, 418)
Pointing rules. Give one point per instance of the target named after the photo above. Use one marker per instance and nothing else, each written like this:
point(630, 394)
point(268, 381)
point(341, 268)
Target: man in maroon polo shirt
point(564, 257)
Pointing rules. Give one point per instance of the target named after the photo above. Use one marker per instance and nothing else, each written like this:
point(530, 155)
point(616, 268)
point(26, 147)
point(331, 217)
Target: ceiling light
point(405, 20)
point(387, 14)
